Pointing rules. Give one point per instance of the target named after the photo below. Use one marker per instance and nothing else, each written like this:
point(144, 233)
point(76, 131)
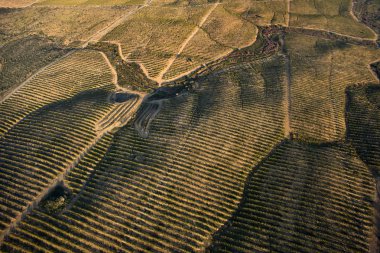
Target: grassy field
point(155, 34)
point(334, 16)
point(15, 4)
point(91, 2)
point(261, 13)
point(217, 38)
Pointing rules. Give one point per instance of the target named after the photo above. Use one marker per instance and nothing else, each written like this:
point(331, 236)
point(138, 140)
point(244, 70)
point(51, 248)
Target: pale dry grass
point(261, 13)
point(334, 16)
point(69, 24)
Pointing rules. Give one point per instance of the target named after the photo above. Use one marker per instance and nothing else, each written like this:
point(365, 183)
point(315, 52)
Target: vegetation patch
point(129, 74)
point(56, 200)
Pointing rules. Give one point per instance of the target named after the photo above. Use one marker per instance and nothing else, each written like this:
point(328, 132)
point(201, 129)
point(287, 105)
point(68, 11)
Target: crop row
point(171, 191)
point(78, 72)
point(363, 116)
point(120, 114)
point(303, 199)
point(43, 145)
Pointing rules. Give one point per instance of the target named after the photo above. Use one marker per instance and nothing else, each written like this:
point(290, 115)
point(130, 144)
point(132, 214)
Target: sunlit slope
point(320, 71)
point(171, 191)
point(154, 34)
point(303, 198)
point(220, 34)
point(335, 16)
point(90, 2)
point(15, 4)
point(38, 149)
point(67, 24)
point(77, 72)
point(164, 40)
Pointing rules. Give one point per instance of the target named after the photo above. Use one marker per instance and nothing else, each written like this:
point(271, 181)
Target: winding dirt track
point(184, 43)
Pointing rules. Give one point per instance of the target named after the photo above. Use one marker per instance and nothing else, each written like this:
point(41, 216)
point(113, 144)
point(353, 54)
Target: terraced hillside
point(303, 198)
point(363, 108)
point(189, 126)
point(169, 191)
point(61, 80)
point(320, 71)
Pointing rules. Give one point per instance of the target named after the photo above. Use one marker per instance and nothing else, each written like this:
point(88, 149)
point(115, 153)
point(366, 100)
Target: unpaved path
point(159, 78)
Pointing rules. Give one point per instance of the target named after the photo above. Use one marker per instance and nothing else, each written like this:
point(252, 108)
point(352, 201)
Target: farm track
point(159, 79)
point(332, 35)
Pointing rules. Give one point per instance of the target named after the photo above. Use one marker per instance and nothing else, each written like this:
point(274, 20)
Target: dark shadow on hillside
point(302, 198)
point(363, 123)
point(375, 67)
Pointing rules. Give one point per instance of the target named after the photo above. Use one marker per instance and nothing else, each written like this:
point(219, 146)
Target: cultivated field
point(67, 24)
point(189, 126)
point(16, 4)
point(303, 198)
point(21, 58)
point(335, 16)
point(320, 71)
point(176, 200)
